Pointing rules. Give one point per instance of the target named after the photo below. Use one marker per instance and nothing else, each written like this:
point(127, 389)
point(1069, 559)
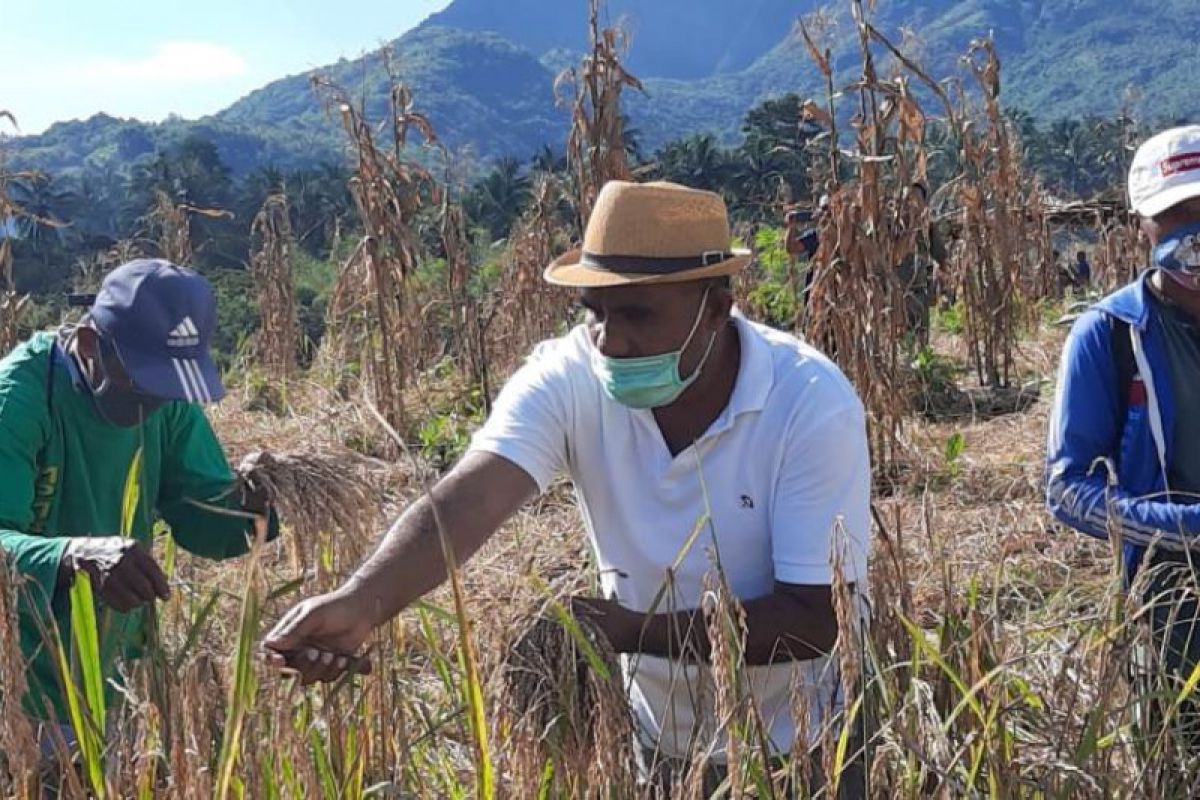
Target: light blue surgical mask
point(1180, 251)
point(650, 381)
point(1178, 256)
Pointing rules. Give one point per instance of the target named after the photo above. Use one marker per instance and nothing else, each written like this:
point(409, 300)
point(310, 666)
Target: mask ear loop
point(712, 341)
point(696, 323)
point(105, 380)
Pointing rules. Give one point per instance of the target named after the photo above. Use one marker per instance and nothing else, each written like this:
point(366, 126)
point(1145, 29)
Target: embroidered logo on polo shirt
point(747, 501)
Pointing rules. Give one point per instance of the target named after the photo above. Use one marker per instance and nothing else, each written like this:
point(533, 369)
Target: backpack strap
point(1125, 364)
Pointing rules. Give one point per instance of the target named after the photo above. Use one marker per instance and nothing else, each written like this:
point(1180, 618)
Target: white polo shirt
point(783, 466)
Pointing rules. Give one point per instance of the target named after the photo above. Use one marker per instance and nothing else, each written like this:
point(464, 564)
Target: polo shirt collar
point(756, 375)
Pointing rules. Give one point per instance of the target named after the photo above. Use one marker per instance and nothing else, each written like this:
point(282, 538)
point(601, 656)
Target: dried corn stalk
point(12, 305)
point(372, 317)
point(874, 224)
point(1120, 254)
point(525, 308)
point(991, 226)
point(271, 268)
point(596, 145)
point(169, 226)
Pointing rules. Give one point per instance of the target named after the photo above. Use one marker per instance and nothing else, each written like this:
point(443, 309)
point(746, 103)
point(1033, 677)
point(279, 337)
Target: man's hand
point(622, 627)
point(123, 573)
point(319, 638)
point(254, 498)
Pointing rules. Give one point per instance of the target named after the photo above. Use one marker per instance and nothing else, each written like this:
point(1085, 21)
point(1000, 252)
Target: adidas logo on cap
point(184, 334)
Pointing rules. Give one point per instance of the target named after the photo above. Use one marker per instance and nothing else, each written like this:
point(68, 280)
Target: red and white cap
point(1165, 171)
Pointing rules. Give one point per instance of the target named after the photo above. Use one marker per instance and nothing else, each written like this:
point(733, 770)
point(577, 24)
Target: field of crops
point(995, 660)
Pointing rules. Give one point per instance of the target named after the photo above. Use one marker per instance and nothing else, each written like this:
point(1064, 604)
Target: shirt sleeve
point(529, 421)
point(822, 500)
point(24, 428)
point(1083, 443)
point(199, 495)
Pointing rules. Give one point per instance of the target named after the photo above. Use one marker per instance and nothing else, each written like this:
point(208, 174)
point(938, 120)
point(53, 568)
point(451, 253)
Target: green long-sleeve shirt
point(62, 474)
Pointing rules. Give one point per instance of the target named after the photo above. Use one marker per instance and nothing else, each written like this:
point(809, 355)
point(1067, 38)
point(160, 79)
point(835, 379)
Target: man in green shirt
point(81, 410)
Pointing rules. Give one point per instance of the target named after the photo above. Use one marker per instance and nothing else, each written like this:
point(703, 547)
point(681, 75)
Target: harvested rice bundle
point(318, 495)
point(563, 703)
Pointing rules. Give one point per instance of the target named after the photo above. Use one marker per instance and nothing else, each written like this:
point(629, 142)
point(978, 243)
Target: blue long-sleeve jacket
point(1088, 438)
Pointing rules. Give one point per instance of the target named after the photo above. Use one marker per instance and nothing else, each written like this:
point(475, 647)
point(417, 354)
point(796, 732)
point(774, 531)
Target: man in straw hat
point(81, 411)
point(1124, 443)
point(695, 439)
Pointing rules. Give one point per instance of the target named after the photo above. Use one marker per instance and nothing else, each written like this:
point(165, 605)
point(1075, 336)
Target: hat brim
point(192, 380)
point(1158, 203)
point(567, 270)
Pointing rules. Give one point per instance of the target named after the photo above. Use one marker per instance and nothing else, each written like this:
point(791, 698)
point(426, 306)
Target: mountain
point(677, 39)
point(485, 95)
point(483, 71)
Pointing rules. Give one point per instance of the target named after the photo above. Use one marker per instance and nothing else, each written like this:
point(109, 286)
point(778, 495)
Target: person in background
point(917, 272)
point(802, 239)
point(1082, 270)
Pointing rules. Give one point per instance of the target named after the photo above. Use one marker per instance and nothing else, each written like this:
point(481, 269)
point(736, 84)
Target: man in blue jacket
point(1123, 457)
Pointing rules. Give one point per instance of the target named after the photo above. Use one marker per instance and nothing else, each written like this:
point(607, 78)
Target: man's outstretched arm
point(318, 636)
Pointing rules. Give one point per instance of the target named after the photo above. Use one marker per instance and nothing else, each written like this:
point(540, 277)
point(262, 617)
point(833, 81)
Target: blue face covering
point(650, 381)
point(1180, 251)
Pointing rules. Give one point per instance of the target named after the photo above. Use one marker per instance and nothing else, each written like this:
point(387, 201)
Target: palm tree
point(697, 161)
point(759, 176)
point(320, 203)
point(548, 162)
point(499, 198)
point(47, 209)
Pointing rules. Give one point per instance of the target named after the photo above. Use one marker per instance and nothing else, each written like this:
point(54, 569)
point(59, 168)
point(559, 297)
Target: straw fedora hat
point(650, 233)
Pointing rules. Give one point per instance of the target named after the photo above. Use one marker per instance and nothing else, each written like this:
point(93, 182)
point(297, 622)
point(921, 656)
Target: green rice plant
point(89, 713)
point(86, 708)
point(472, 683)
point(244, 687)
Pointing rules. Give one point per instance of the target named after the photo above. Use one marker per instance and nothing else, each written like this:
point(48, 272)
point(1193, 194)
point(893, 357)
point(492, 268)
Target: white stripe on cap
point(183, 379)
point(191, 326)
point(198, 377)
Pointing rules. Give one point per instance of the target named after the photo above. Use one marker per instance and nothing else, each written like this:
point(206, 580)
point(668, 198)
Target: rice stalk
point(244, 687)
point(472, 683)
point(87, 704)
point(324, 497)
point(561, 701)
point(19, 757)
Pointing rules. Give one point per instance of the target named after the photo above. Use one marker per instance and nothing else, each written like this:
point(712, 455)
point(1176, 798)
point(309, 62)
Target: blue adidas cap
point(161, 318)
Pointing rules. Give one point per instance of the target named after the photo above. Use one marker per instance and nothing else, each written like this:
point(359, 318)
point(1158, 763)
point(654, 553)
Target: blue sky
point(68, 59)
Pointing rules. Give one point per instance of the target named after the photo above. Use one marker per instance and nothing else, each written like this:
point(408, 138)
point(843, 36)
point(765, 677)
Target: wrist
point(624, 630)
point(358, 593)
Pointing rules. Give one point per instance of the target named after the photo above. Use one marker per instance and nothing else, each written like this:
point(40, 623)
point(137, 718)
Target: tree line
point(73, 222)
